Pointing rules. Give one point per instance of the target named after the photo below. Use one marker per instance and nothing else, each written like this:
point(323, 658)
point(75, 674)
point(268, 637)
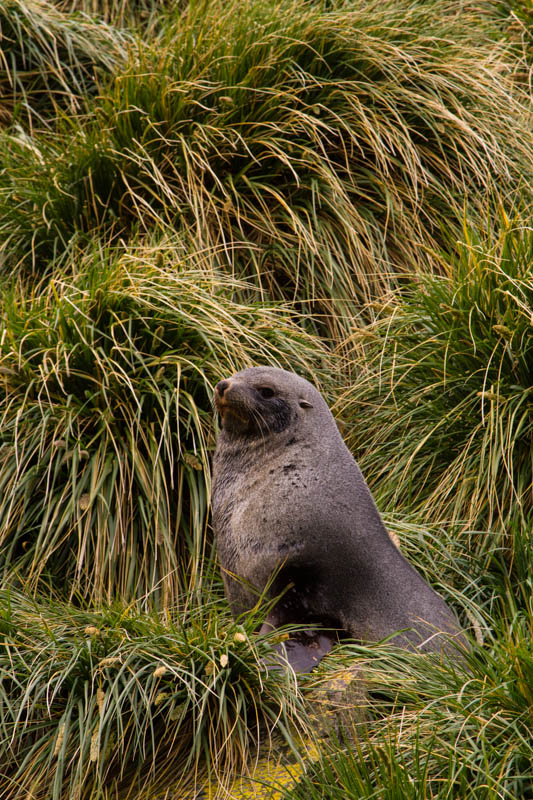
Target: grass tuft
point(129, 14)
point(436, 730)
point(107, 373)
point(114, 702)
point(320, 149)
point(448, 385)
point(49, 61)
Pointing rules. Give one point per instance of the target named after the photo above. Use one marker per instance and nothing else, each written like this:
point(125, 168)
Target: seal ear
point(304, 403)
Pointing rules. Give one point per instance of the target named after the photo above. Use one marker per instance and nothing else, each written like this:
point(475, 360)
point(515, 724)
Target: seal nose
point(221, 387)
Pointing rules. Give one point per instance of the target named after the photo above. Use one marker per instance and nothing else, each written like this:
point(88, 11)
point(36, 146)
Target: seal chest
point(292, 511)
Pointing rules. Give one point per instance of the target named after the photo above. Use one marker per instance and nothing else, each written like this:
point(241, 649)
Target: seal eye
point(266, 392)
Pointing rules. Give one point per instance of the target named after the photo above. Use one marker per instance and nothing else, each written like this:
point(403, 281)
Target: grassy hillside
point(335, 187)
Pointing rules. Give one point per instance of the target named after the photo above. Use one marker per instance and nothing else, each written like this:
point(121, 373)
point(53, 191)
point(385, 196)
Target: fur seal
point(292, 512)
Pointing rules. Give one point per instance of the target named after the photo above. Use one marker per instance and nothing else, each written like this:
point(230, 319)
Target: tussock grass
point(105, 417)
point(518, 16)
point(95, 703)
point(447, 388)
point(129, 14)
point(319, 148)
point(47, 185)
point(437, 730)
point(49, 61)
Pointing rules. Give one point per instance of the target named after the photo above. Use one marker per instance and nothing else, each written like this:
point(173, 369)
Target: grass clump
point(107, 373)
point(94, 703)
point(518, 19)
point(129, 14)
point(448, 389)
point(49, 61)
point(437, 730)
point(319, 148)
point(49, 187)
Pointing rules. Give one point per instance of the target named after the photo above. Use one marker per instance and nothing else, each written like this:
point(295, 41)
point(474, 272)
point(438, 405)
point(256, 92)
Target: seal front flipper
point(315, 636)
point(303, 649)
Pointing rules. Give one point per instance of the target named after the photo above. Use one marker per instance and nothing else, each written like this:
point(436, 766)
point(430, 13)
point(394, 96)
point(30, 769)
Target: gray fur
point(291, 498)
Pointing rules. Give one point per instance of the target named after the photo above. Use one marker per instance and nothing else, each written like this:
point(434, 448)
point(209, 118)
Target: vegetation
point(518, 18)
point(448, 379)
point(435, 732)
point(98, 700)
point(49, 61)
point(339, 188)
point(321, 150)
point(104, 474)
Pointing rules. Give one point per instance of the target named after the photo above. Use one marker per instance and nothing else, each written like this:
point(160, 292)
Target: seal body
point(293, 514)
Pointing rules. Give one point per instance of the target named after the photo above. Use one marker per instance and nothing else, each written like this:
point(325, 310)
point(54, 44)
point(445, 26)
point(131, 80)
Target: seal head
point(252, 409)
point(293, 515)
